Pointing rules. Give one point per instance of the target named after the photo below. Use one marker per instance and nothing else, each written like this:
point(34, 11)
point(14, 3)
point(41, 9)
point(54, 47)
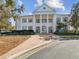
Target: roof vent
point(44, 8)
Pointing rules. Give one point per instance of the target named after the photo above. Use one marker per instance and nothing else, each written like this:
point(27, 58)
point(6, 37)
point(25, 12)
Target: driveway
point(67, 49)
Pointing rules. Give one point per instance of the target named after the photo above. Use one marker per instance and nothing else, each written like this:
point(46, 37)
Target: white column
point(34, 23)
point(61, 19)
point(47, 23)
point(20, 24)
point(54, 23)
point(16, 24)
point(27, 23)
point(40, 23)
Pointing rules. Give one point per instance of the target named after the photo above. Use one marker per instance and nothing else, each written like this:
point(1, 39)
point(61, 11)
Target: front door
point(50, 29)
point(44, 30)
point(38, 29)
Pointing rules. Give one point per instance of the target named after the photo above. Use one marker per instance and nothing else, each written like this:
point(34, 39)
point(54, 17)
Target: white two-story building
point(43, 20)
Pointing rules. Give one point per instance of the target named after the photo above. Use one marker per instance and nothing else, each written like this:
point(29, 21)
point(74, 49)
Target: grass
point(70, 36)
point(9, 42)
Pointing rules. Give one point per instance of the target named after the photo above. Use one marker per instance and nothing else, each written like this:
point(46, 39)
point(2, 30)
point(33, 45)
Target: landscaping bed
point(9, 42)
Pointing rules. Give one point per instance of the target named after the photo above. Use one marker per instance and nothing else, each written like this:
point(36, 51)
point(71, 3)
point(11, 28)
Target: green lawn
point(71, 36)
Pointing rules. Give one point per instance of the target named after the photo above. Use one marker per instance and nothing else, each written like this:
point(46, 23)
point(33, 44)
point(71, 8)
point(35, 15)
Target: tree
point(7, 10)
point(60, 26)
point(75, 17)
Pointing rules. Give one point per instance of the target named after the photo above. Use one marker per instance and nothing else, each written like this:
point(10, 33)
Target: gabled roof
point(41, 8)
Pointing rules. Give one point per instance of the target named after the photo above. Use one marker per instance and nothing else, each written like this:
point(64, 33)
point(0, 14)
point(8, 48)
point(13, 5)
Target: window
point(65, 19)
point(30, 20)
point(24, 20)
point(44, 30)
point(44, 8)
point(24, 27)
point(30, 28)
point(44, 20)
point(38, 29)
point(50, 20)
point(58, 19)
point(37, 20)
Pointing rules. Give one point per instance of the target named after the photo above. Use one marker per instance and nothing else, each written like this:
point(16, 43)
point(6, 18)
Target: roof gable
point(44, 8)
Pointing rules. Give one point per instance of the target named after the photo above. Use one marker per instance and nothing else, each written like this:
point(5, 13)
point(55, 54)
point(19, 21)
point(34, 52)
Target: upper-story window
point(37, 20)
point(30, 20)
point(50, 20)
point(44, 20)
point(58, 19)
point(65, 19)
point(24, 20)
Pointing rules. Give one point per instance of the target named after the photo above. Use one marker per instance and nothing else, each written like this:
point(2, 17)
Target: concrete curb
point(28, 50)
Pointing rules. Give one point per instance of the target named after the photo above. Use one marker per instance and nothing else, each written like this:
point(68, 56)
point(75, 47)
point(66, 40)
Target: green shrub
point(67, 33)
point(20, 32)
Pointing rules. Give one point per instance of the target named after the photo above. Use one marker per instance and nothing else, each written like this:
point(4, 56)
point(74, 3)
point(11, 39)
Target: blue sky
point(30, 5)
point(61, 6)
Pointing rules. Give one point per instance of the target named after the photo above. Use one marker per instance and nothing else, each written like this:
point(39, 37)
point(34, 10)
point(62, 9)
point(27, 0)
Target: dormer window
point(44, 8)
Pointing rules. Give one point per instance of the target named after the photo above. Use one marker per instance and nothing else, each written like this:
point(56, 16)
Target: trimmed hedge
point(19, 32)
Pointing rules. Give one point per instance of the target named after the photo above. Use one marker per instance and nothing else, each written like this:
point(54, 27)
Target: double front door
point(50, 29)
point(44, 29)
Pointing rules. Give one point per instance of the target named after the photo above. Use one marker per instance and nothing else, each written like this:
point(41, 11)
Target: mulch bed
point(9, 42)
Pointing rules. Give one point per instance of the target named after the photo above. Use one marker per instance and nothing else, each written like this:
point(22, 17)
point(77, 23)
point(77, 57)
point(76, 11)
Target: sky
point(61, 6)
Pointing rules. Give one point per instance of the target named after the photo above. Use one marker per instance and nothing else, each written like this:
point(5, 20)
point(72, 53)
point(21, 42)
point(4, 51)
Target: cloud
point(38, 2)
point(30, 13)
point(52, 3)
point(20, 3)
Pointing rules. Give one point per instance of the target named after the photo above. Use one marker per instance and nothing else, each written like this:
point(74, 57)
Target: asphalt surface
point(68, 49)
